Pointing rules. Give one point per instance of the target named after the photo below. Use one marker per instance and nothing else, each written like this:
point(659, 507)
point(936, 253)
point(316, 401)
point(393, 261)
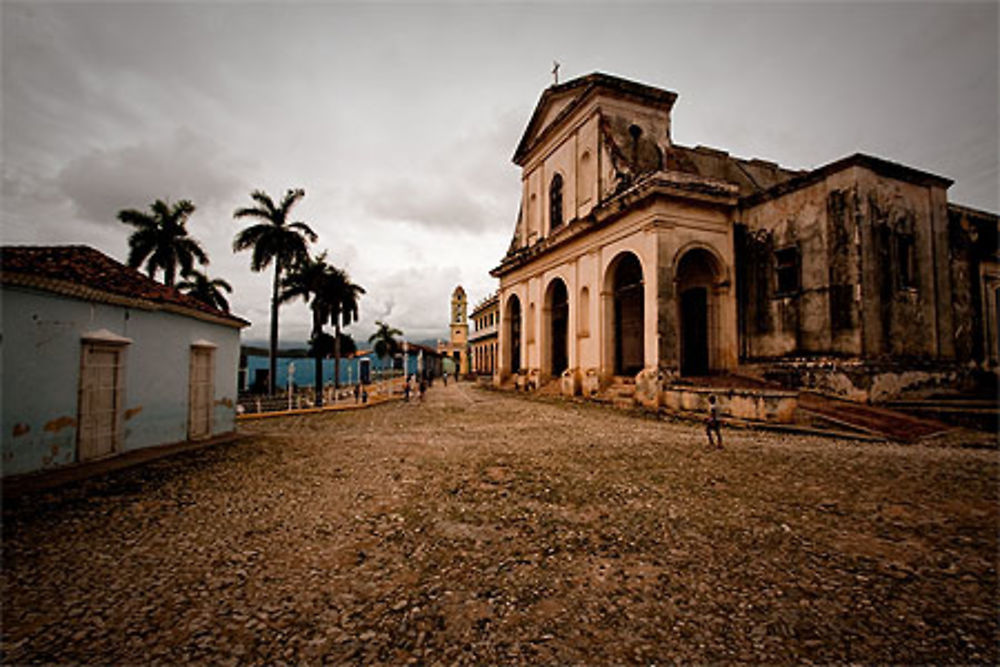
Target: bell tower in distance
point(460, 329)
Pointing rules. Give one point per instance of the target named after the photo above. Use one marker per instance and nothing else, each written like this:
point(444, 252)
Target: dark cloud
point(185, 166)
point(469, 185)
point(430, 203)
point(400, 120)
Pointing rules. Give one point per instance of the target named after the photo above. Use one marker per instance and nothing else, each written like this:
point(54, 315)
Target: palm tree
point(161, 240)
point(334, 299)
point(384, 339)
point(342, 297)
point(273, 239)
point(327, 345)
point(209, 291)
point(308, 279)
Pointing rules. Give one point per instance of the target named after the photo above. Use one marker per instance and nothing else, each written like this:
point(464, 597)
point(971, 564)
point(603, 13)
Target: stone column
point(666, 306)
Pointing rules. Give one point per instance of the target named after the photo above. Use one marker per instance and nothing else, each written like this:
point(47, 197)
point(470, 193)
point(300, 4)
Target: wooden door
point(201, 391)
point(100, 400)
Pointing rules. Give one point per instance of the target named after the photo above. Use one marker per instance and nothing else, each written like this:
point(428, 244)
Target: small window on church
point(556, 201)
point(904, 262)
point(786, 263)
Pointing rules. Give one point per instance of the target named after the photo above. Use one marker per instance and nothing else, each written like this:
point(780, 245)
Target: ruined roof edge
point(976, 212)
point(876, 164)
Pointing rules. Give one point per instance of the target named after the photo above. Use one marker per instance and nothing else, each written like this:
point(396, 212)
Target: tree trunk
point(273, 347)
point(336, 353)
point(318, 357)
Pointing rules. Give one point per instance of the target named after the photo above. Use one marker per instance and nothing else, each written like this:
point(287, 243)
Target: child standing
point(712, 422)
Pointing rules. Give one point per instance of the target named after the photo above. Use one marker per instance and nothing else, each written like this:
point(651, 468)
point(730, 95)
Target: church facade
point(635, 256)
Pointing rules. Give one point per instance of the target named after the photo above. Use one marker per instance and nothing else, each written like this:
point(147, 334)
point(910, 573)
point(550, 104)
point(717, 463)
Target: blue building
point(99, 360)
point(364, 366)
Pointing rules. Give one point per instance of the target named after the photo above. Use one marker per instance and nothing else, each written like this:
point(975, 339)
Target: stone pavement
point(483, 527)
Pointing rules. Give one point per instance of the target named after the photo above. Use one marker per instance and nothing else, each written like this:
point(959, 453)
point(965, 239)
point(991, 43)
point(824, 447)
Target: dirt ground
point(484, 527)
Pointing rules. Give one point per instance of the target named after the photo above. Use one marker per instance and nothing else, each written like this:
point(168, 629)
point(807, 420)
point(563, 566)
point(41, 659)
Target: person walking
point(712, 423)
point(423, 388)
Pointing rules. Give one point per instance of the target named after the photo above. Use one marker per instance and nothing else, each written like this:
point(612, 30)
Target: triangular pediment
point(555, 100)
point(553, 107)
point(559, 101)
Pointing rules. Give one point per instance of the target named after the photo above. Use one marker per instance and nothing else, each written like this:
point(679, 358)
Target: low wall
point(766, 405)
point(872, 381)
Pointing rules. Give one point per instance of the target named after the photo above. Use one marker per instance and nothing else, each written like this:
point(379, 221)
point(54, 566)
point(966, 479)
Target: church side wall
point(975, 274)
point(900, 317)
point(855, 297)
point(801, 321)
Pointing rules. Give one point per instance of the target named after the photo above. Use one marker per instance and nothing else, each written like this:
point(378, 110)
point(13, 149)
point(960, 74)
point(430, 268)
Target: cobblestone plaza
point(482, 527)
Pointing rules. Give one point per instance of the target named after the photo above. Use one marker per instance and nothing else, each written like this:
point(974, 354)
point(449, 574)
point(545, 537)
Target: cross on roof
point(555, 71)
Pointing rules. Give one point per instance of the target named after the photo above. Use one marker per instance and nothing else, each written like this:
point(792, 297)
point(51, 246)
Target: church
point(633, 257)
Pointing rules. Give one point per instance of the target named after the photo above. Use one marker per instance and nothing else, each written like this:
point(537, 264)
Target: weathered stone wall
point(874, 277)
point(815, 221)
point(973, 250)
point(866, 381)
point(898, 318)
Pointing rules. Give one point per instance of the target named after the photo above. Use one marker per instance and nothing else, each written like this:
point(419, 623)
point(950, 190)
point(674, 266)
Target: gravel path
point(483, 527)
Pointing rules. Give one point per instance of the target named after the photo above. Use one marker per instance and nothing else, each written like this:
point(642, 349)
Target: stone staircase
point(978, 412)
point(550, 388)
point(892, 424)
point(620, 393)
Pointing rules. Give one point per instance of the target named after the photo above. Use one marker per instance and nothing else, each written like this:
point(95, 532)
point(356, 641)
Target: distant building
point(363, 366)
point(99, 360)
point(456, 350)
point(634, 255)
point(483, 338)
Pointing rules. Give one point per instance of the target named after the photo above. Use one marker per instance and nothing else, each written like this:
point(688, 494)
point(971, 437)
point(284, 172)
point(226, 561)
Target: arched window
point(556, 201)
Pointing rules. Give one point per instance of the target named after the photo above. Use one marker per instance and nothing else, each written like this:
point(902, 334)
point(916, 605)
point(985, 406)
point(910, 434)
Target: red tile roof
point(86, 273)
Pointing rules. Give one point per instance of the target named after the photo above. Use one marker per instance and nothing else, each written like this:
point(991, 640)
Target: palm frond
point(136, 218)
point(303, 229)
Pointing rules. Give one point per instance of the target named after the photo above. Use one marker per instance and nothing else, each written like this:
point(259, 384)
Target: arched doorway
point(514, 333)
point(697, 275)
point(626, 287)
point(557, 327)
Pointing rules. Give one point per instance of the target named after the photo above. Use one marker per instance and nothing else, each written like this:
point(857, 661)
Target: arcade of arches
point(626, 320)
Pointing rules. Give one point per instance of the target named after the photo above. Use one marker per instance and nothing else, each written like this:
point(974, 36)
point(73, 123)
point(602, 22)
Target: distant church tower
point(457, 347)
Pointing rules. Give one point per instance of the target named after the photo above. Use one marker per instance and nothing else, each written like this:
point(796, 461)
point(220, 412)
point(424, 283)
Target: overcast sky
point(399, 120)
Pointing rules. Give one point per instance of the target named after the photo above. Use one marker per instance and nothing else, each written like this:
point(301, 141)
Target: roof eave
point(83, 292)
